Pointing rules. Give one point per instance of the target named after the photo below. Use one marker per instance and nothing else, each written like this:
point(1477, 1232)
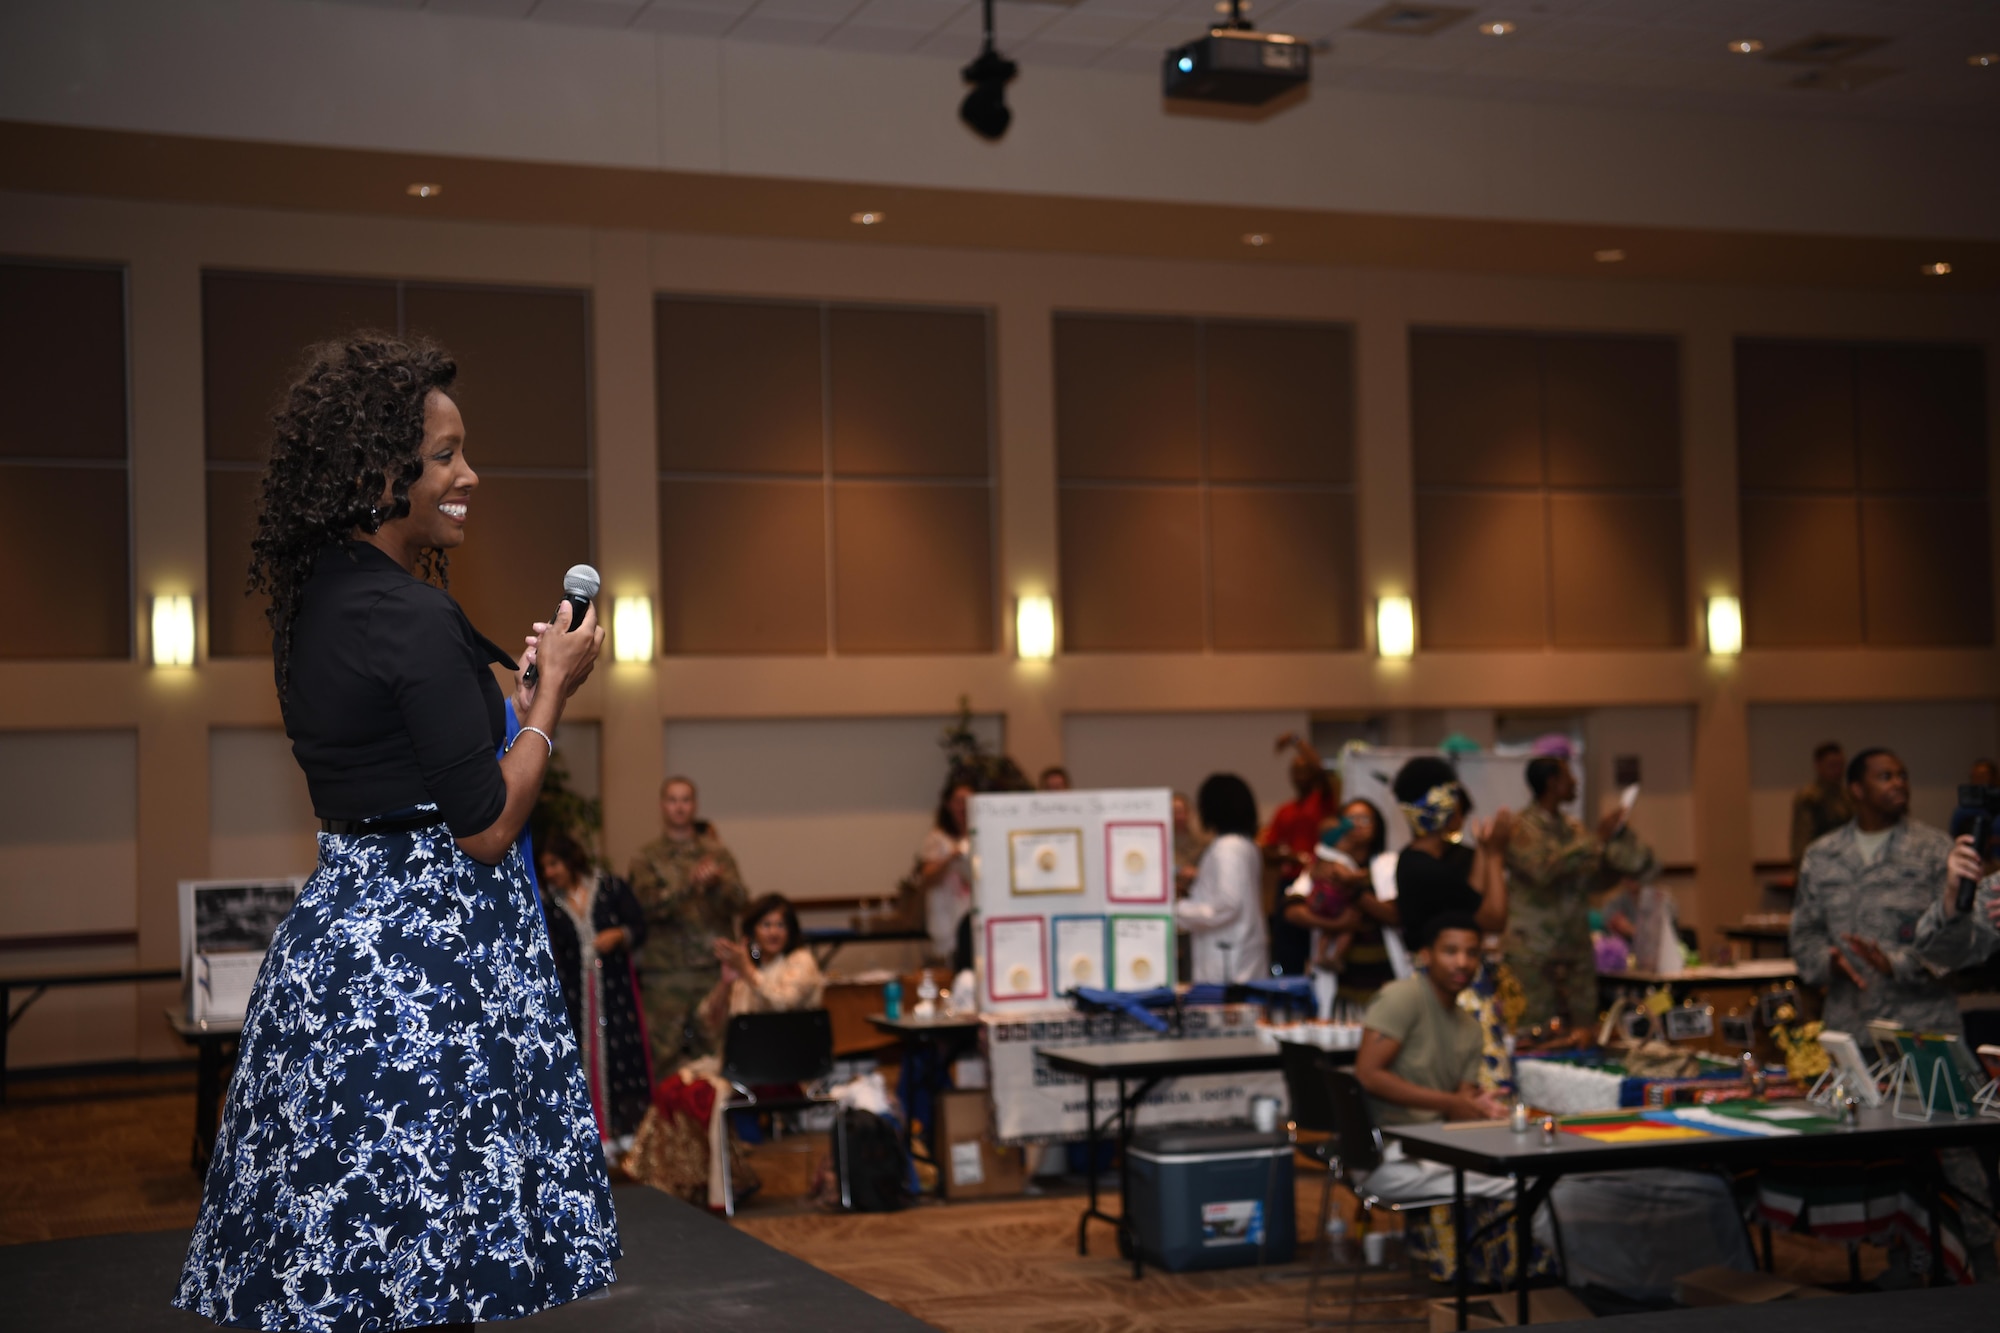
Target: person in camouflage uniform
point(1553, 866)
point(1869, 925)
point(1821, 808)
point(692, 893)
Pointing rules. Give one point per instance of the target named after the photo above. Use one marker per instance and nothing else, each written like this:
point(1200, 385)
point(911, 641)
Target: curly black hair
point(352, 423)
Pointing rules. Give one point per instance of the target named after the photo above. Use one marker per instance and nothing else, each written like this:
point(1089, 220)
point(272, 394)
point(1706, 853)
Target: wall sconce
point(1725, 627)
point(1395, 628)
point(1034, 629)
point(632, 629)
point(173, 631)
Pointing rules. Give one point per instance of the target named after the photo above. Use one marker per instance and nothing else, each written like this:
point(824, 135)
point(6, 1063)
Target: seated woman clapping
point(679, 1147)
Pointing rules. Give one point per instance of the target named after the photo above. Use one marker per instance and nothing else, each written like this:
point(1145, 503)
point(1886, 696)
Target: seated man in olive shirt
point(1419, 1061)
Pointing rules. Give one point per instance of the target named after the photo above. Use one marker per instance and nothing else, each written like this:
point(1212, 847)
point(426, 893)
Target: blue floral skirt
point(408, 1138)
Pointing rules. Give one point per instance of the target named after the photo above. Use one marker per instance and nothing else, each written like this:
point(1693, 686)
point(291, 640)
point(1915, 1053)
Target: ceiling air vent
point(1826, 48)
point(1412, 20)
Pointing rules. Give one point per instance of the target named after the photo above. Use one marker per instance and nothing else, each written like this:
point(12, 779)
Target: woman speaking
point(408, 1140)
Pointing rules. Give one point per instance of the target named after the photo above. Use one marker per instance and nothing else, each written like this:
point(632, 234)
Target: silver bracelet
point(539, 732)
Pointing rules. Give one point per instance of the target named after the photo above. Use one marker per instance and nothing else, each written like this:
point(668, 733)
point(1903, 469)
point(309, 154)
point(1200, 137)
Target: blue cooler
point(1212, 1197)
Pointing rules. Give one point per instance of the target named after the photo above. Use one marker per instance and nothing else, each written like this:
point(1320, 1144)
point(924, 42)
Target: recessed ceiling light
point(1608, 256)
point(1937, 270)
point(1497, 28)
point(424, 190)
point(867, 219)
point(1984, 58)
point(1746, 46)
point(1256, 238)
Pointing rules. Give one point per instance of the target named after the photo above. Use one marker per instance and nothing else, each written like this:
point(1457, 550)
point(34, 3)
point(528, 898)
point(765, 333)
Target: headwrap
point(1434, 811)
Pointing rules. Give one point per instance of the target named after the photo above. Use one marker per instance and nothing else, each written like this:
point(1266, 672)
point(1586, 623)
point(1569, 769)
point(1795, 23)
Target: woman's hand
point(611, 940)
point(568, 655)
point(1497, 832)
point(735, 954)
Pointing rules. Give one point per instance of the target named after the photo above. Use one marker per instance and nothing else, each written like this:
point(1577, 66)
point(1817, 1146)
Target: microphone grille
point(582, 581)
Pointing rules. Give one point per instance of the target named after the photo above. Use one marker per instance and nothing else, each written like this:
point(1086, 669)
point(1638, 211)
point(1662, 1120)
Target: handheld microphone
point(580, 585)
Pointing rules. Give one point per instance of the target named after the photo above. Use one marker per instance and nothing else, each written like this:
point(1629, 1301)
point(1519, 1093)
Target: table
point(944, 1038)
point(1143, 1064)
point(208, 1037)
point(38, 983)
point(1755, 972)
point(681, 1270)
point(1495, 1150)
point(1758, 936)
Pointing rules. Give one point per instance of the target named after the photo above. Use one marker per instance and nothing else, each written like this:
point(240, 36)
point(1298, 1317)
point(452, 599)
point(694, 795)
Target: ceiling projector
point(1237, 65)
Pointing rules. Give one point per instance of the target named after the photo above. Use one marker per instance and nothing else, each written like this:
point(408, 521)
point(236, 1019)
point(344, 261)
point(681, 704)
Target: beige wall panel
point(1482, 571)
point(255, 332)
point(909, 392)
point(1131, 570)
point(523, 375)
point(522, 533)
point(1282, 563)
point(1920, 418)
point(1662, 739)
point(1794, 415)
point(818, 807)
point(236, 623)
point(1801, 571)
point(69, 829)
point(62, 362)
point(64, 552)
point(742, 567)
point(1927, 578)
point(1612, 409)
point(1127, 399)
point(1179, 750)
point(913, 568)
point(1475, 408)
point(1280, 401)
point(1938, 742)
point(260, 814)
point(739, 385)
point(1617, 572)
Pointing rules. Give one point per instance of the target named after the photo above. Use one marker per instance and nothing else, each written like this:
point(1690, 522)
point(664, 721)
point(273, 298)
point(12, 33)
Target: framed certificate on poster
point(1017, 958)
point(1135, 862)
point(1079, 953)
point(1045, 861)
point(1142, 952)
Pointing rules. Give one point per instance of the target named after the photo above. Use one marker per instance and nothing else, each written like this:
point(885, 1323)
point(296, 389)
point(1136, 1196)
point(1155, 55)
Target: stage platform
point(682, 1271)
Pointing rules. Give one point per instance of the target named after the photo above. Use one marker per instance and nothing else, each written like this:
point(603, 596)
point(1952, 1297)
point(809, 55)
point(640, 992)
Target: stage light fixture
point(1035, 628)
point(1395, 628)
point(173, 630)
point(985, 107)
point(1937, 270)
point(632, 629)
point(1725, 627)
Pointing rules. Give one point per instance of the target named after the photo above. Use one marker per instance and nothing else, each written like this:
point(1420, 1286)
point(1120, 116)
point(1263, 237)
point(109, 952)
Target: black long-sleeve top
point(391, 703)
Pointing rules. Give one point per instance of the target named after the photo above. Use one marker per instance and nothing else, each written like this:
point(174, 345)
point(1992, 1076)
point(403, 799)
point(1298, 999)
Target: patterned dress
point(408, 1139)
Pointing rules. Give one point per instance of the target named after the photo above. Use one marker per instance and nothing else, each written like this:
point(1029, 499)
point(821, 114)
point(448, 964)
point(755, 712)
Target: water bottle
point(892, 999)
point(927, 994)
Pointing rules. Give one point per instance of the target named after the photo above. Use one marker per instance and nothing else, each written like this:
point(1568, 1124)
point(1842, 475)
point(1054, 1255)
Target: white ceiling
point(1670, 53)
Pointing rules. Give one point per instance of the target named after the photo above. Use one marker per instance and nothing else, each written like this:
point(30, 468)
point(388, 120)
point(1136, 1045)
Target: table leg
point(940, 1074)
point(207, 1092)
point(1523, 1238)
point(1125, 1110)
point(1090, 1162)
point(1459, 1233)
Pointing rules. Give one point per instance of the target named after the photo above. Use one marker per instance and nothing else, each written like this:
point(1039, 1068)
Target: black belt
point(357, 828)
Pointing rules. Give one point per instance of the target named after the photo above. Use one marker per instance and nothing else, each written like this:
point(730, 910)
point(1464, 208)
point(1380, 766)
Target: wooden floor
point(91, 1156)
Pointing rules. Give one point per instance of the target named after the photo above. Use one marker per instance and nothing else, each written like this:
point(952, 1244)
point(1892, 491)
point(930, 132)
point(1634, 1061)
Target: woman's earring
point(374, 519)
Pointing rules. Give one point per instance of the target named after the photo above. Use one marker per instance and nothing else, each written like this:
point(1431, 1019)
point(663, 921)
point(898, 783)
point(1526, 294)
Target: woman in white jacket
point(1224, 910)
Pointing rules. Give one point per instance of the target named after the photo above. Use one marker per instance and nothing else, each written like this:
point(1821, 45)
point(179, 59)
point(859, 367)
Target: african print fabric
point(408, 1138)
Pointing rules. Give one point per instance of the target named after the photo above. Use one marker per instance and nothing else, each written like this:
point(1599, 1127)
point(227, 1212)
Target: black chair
point(1312, 1111)
point(1358, 1152)
point(762, 1050)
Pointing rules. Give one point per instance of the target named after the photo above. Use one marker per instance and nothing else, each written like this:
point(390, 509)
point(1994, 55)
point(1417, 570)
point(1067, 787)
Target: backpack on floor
point(868, 1156)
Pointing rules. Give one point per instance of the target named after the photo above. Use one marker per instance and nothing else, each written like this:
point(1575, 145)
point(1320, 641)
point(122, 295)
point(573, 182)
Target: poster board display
point(1066, 859)
point(1034, 1104)
point(226, 928)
